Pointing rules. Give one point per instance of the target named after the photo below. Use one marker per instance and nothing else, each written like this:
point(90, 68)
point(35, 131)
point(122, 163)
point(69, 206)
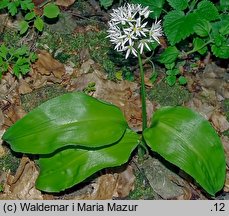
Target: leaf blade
point(71, 166)
point(178, 26)
point(51, 11)
point(70, 119)
point(185, 139)
point(178, 4)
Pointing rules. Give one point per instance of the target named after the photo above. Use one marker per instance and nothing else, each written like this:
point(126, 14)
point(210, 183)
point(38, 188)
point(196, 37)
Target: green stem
point(142, 149)
point(194, 50)
point(143, 94)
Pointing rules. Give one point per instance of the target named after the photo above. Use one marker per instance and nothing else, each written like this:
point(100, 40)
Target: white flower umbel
point(129, 30)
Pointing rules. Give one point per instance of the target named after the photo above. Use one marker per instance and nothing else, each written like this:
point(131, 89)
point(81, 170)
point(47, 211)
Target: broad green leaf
point(21, 51)
point(39, 24)
point(171, 80)
point(23, 26)
point(207, 10)
point(187, 140)
point(170, 66)
point(198, 44)
point(182, 80)
point(219, 40)
point(25, 68)
point(70, 119)
point(178, 26)
point(12, 7)
point(173, 72)
point(73, 165)
point(4, 3)
point(33, 57)
point(16, 70)
point(30, 16)
point(224, 30)
point(224, 4)
point(202, 28)
point(178, 4)
point(27, 5)
point(106, 3)
point(155, 6)
point(5, 66)
point(169, 55)
point(221, 51)
point(51, 11)
point(21, 61)
point(3, 51)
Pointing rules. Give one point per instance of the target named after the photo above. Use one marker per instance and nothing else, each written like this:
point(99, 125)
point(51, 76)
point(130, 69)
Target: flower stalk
point(143, 93)
point(130, 33)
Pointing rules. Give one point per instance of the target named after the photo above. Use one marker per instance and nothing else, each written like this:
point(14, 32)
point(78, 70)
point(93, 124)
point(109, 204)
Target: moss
point(142, 187)
point(10, 161)
point(225, 106)
point(69, 47)
point(34, 99)
point(167, 95)
point(11, 38)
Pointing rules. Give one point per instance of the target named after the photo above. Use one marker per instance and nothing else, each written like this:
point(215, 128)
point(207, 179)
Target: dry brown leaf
point(8, 87)
point(219, 121)
point(203, 108)
point(24, 87)
point(118, 183)
point(46, 65)
point(14, 113)
point(226, 185)
point(125, 183)
point(123, 94)
point(1, 120)
point(215, 78)
point(64, 3)
point(23, 184)
point(2, 150)
point(225, 141)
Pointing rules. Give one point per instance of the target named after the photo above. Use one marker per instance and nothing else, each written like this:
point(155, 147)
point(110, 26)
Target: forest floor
point(75, 55)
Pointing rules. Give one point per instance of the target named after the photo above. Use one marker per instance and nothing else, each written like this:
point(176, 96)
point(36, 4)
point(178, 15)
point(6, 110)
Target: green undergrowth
point(67, 48)
point(31, 100)
point(10, 38)
point(167, 95)
point(225, 106)
point(9, 161)
point(142, 189)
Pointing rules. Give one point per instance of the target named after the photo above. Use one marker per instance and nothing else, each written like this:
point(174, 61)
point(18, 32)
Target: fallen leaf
point(23, 185)
point(1, 121)
point(219, 121)
point(14, 113)
point(226, 185)
point(123, 94)
point(46, 65)
point(64, 3)
point(125, 183)
point(203, 108)
point(24, 87)
point(225, 141)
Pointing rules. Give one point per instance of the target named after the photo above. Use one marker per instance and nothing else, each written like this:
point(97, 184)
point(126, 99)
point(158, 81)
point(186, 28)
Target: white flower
point(156, 31)
point(128, 29)
point(138, 28)
point(145, 12)
point(144, 43)
point(130, 49)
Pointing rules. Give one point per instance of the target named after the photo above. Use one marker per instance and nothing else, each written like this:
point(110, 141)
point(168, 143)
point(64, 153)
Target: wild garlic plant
point(130, 32)
point(75, 135)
